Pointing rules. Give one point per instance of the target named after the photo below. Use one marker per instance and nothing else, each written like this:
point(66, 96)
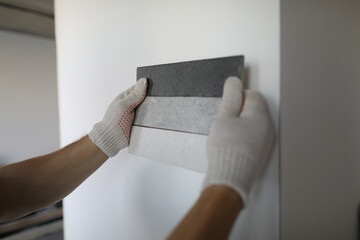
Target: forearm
point(212, 217)
point(36, 183)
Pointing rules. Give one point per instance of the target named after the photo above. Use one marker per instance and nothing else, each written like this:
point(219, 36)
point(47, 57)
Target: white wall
point(29, 124)
point(99, 46)
point(320, 116)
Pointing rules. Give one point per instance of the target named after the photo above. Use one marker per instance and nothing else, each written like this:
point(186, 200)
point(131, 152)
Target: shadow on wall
point(246, 77)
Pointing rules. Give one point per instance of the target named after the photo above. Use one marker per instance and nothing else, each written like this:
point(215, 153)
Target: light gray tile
point(185, 114)
point(184, 150)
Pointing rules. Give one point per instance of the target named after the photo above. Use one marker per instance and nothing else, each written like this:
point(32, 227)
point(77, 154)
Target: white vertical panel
point(100, 44)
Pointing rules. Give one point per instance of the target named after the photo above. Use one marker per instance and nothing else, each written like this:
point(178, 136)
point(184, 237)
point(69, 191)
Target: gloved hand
point(113, 133)
point(240, 141)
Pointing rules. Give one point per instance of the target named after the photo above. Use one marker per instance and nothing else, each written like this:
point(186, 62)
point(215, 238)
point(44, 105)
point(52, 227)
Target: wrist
point(224, 194)
point(229, 167)
point(107, 137)
point(95, 150)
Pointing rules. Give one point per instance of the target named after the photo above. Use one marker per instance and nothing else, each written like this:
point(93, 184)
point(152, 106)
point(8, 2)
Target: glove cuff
point(230, 168)
point(108, 138)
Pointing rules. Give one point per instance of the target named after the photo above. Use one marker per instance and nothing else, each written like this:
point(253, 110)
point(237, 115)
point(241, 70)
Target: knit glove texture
point(113, 133)
point(240, 140)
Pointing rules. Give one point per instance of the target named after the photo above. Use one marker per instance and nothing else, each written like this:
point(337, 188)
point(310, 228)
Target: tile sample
point(186, 150)
point(186, 114)
point(182, 102)
point(200, 78)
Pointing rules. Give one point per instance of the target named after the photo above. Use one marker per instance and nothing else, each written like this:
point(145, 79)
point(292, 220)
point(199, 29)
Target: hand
point(239, 141)
point(113, 133)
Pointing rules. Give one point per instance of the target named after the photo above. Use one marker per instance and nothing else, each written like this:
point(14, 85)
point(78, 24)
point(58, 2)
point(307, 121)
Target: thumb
point(232, 97)
point(138, 94)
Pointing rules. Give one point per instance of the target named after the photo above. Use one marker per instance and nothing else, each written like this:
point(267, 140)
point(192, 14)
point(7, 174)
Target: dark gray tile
point(201, 78)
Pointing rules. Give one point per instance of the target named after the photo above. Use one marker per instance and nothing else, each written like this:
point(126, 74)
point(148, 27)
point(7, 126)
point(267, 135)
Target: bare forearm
point(212, 216)
point(36, 183)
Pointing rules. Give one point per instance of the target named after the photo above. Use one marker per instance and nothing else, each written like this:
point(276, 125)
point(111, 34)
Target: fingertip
point(233, 82)
point(142, 81)
point(141, 86)
point(138, 95)
point(232, 96)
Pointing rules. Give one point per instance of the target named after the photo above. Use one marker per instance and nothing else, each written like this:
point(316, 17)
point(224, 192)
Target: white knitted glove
point(240, 141)
point(113, 133)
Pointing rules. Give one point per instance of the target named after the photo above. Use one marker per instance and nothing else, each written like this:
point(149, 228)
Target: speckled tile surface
point(185, 114)
point(186, 150)
point(201, 78)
